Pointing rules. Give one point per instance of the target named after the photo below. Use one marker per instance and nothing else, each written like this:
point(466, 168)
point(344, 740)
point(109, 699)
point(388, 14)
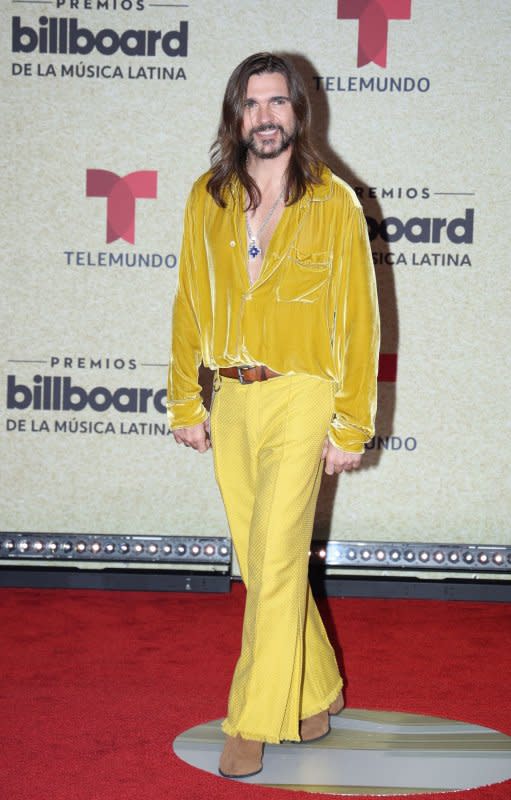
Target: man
point(276, 293)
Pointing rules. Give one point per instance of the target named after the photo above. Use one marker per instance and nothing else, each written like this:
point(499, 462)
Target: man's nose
point(264, 114)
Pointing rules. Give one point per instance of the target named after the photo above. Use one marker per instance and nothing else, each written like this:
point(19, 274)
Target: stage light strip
point(101, 547)
point(218, 550)
point(406, 555)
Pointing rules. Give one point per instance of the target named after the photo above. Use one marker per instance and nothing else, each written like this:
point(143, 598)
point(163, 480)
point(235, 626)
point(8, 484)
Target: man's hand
point(197, 436)
point(337, 460)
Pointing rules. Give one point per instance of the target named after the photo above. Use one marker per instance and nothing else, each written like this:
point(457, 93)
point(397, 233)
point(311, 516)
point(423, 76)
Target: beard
point(273, 147)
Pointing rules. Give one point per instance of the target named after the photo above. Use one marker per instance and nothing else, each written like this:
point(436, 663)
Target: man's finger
point(329, 467)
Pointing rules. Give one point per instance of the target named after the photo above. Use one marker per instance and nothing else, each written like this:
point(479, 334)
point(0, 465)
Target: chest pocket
point(303, 277)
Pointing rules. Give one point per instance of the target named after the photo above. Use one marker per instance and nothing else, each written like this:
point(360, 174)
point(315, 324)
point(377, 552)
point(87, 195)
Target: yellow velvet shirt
point(312, 310)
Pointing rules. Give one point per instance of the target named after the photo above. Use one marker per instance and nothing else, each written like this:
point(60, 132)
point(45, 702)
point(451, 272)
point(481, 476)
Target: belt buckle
point(240, 374)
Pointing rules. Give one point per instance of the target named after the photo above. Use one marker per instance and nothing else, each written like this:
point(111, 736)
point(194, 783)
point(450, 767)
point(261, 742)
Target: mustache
point(268, 126)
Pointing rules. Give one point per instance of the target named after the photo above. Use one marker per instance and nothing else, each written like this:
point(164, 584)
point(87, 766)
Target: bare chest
point(261, 226)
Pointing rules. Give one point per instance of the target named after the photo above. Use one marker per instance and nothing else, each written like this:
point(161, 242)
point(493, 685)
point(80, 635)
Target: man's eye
point(279, 101)
point(249, 104)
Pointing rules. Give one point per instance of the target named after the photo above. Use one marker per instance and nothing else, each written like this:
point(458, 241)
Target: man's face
point(269, 122)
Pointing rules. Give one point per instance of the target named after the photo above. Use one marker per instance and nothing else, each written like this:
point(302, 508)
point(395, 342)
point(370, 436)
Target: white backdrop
point(420, 134)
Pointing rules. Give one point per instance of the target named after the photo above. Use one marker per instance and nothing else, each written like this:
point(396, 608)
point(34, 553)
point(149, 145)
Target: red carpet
point(96, 685)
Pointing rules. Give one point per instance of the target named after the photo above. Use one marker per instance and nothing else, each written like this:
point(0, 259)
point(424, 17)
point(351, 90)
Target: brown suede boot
point(337, 705)
point(241, 758)
point(314, 728)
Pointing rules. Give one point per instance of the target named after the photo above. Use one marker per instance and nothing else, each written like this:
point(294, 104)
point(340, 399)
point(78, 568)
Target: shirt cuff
point(186, 414)
point(346, 440)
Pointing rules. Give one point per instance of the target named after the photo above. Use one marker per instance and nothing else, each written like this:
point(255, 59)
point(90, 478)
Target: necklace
point(253, 248)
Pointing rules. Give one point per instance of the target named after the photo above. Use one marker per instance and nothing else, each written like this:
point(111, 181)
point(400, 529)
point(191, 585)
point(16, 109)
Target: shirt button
point(232, 244)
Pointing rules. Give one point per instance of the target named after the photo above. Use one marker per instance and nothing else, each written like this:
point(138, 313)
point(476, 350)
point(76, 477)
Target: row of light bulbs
point(331, 553)
point(336, 555)
point(96, 547)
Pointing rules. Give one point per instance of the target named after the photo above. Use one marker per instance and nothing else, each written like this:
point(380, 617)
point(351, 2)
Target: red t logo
point(121, 194)
point(387, 370)
point(373, 26)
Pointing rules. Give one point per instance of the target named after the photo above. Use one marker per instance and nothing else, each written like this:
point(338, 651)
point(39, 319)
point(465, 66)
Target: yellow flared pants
point(267, 440)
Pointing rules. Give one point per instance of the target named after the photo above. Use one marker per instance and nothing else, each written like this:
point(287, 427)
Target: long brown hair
point(229, 153)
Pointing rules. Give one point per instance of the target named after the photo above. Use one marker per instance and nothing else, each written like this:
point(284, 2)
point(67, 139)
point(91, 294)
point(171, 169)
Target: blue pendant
point(254, 250)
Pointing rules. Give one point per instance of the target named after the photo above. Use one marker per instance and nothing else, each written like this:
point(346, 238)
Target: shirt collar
point(318, 192)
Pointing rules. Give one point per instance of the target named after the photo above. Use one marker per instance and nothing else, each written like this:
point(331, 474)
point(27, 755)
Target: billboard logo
point(63, 36)
point(121, 194)
point(58, 393)
point(373, 25)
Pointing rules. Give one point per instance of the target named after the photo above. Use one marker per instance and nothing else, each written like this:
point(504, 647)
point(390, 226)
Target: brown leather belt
point(251, 374)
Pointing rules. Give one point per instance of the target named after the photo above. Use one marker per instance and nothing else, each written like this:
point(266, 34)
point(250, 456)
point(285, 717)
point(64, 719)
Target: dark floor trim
point(181, 581)
point(125, 580)
point(412, 588)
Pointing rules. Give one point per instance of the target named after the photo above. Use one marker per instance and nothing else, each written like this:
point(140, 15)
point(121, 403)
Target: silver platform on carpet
point(370, 753)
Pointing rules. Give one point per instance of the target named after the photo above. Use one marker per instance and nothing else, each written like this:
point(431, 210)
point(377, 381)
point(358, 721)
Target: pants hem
point(230, 730)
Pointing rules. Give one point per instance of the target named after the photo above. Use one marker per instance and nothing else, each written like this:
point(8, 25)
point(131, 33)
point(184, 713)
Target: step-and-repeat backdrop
point(109, 110)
